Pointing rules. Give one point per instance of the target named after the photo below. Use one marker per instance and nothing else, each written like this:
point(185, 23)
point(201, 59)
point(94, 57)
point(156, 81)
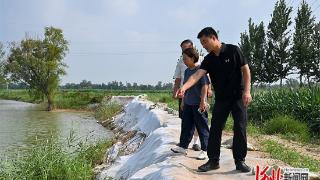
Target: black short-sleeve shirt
point(225, 72)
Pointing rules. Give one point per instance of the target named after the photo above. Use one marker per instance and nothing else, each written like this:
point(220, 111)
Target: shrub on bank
point(107, 110)
point(289, 127)
point(50, 160)
point(302, 104)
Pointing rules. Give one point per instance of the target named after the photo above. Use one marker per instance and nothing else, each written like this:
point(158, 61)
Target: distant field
point(76, 99)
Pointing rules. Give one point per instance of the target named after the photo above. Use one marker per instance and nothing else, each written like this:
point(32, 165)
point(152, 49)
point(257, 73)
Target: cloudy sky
point(131, 40)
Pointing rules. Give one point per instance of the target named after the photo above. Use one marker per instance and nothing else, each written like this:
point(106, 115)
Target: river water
point(21, 124)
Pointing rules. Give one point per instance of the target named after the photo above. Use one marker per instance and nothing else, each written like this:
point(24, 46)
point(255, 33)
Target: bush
point(49, 159)
point(107, 110)
point(289, 127)
point(76, 100)
point(302, 104)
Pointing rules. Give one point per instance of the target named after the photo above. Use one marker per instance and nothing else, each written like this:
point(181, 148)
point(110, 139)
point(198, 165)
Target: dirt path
point(186, 166)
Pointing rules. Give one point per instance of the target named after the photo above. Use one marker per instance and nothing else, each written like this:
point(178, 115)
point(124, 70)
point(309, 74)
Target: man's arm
point(176, 86)
point(177, 77)
point(247, 85)
point(191, 81)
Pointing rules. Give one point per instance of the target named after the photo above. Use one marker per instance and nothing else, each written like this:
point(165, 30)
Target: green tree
point(158, 86)
point(302, 49)
point(278, 53)
point(316, 46)
point(253, 47)
point(269, 75)
point(84, 84)
point(1, 51)
point(3, 80)
point(39, 63)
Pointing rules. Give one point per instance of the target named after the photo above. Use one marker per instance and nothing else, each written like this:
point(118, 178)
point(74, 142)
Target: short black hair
point(208, 31)
point(186, 42)
point(192, 53)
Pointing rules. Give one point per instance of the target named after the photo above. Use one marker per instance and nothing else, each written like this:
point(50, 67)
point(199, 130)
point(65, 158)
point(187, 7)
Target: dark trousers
point(180, 111)
point(192, 119)
point(220, 113)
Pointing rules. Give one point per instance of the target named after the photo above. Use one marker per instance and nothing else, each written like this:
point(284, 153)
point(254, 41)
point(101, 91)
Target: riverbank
point(77, 99)
point(146, 154)
point(72, 100)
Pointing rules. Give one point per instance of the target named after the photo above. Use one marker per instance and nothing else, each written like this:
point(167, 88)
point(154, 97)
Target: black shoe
point(196, 147)
point(210, 165)
point(241, 165)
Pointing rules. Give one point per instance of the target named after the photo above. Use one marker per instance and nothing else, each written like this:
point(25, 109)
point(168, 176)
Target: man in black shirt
point(230, 77)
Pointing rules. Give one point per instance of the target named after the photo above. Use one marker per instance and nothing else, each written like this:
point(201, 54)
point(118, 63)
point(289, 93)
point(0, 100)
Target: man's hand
point(202, 106)
point(246, 98)
point(174, 92)
point(176, 87)
point(180, 93)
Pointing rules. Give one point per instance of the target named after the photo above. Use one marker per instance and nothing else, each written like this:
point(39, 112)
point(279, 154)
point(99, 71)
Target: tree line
point(280, 50)
point(117, 85)
point(84, 84)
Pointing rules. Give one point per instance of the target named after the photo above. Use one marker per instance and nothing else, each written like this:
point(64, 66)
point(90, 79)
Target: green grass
point(48, 159)
point(290, 157)
point(252, 129)
point(302, 104)
point(94, 154)
point(288, 127)
point(106, 111)
point(164, 98)
point(283, 126)
point(77, 99)
point(62, 99)
point(18, 95)
point(80, 99)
